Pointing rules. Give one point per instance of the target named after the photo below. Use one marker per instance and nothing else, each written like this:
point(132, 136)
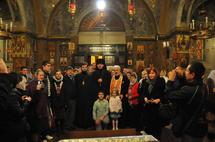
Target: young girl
point(100, 112)
point(115, 106)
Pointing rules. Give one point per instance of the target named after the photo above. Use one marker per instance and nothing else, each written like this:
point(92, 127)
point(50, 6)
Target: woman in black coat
point(153, 94)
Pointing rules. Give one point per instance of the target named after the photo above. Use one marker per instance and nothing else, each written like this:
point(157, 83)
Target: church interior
point(133, 33)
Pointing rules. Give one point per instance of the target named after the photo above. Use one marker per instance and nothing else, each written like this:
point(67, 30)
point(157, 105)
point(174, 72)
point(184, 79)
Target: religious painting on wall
point(140, 49)
point(129, 46)
point(196, 50)
point(130, 62)
point(180, 54)
point(19, 46)
point(140, 52)
point(139, 66)
point(182, 43)
point(71, 47)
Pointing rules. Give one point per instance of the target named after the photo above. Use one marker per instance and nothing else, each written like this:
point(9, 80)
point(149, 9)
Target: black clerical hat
point(100, 61)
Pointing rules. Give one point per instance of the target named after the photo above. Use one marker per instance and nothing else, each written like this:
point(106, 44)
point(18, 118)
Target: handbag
point(166, 111)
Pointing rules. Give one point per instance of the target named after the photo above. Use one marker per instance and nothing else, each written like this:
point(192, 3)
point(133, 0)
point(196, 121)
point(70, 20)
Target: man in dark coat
point(13, 124)
point(85, 97)
point(46, 67)
point(58, 101)
point(40, 115)
point(70, 93)
point(102, 77)
point(179, 80)
point(189, 123)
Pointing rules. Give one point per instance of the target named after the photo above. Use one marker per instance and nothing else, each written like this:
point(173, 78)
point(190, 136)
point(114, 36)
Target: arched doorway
point(101, 37)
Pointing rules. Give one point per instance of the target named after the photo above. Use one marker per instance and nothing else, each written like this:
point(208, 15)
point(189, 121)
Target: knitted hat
point(69, 68)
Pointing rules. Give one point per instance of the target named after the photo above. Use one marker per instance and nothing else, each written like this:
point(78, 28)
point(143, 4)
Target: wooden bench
point(101, 133)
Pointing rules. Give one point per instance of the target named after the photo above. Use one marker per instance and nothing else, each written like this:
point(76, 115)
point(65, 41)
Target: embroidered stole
point(116, 84)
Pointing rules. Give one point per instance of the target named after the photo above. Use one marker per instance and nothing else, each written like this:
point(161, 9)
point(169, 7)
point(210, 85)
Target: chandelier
point(72, 7)
point(5, 28)
point(203, 27)
point(131, 9)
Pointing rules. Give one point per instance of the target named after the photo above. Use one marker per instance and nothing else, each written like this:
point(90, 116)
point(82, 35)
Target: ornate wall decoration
point(186, 10)
point(181, 52)
point(15, 9)
point(129, 46)
point(182, 43)
point(71, 47)
point(29, 14)
point(196, 50)
point(19, 51)
point(154, 6)
point(19, 46)
point(140, 52)
point(63, 23)
point(64, 54)
point(143, 24)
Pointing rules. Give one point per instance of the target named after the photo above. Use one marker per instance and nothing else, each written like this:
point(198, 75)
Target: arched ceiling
point(147, 19)
point(61, 22)
point(21, 12)
point(94, 22)
point(191, 10)
point(204, 9)
point(5, 10)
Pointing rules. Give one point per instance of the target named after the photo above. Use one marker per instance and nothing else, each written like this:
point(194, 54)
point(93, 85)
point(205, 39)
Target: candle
point(6, 27)
point(167, 43)
point(200, 26)
point(11, 26)
point(164, 44)
point(1, 23)
point(206, 22)
point(193, 24)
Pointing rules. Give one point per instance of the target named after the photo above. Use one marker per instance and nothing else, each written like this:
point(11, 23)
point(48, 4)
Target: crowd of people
point(36, 107)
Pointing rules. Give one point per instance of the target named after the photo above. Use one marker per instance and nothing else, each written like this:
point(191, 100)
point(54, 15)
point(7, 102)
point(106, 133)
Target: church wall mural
point(20, 51)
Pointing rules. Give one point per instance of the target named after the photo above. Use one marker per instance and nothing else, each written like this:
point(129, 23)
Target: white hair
point(117, 67)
